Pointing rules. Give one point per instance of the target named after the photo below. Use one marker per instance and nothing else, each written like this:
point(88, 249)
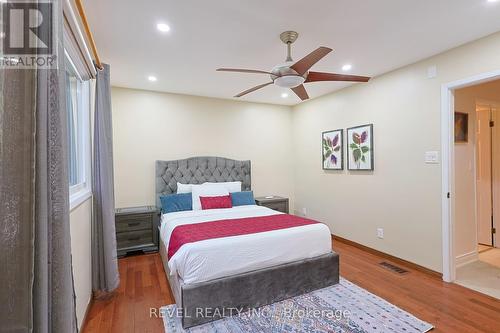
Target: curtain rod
point(89, 33)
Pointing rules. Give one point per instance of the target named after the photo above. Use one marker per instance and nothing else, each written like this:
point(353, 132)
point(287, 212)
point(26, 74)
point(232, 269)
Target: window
point(78, 116)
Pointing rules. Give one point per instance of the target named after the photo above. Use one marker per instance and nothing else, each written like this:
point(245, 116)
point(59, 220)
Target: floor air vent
point(393, 268)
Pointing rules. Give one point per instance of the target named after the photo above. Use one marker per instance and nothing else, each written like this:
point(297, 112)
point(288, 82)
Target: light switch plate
point(432, 157)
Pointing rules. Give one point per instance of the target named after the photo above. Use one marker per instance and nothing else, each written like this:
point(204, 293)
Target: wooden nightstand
point(136, 229)
point(277, 203)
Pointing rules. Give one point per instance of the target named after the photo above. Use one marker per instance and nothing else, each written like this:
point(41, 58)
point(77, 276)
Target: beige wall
point(80, 224)
point(403, 194)
point(465, 162)
point(150, 126)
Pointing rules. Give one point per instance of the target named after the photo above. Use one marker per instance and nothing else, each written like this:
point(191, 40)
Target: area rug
point(344, 307)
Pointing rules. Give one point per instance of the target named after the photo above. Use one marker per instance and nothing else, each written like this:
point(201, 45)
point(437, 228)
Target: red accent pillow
point(216, 202)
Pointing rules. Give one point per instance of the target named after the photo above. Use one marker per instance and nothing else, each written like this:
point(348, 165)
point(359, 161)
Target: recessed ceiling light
point(284, 95)
point(152, 78)
point(163, 27)
point(346, 67)
point(492, 0)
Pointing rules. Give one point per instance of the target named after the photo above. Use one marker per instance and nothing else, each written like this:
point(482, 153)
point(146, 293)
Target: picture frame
point(360, 149)
point(461, 127)
point(333, 149)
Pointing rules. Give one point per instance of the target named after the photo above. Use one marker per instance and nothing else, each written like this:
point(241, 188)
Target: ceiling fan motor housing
point(284, 76)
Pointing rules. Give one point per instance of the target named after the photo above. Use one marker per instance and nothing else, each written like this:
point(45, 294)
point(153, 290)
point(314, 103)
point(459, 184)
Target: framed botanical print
point(333, 150)
point(360, 148)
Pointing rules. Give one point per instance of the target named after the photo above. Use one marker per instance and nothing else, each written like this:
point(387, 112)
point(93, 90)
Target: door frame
point(448, 166)
point(494, 175)
point(480, 102)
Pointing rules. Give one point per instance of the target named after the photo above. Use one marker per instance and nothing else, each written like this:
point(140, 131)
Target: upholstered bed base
point(222, 296)
point(207, 301)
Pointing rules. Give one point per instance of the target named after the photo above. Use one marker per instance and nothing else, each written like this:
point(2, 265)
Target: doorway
point(475, 167)
point(448, 167)
point(487, 166)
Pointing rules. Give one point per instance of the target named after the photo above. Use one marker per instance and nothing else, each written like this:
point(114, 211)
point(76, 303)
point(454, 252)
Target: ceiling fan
point(293, 75)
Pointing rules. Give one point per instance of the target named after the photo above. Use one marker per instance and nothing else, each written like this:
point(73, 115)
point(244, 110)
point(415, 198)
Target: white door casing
point(447, 166)
point(483, 174)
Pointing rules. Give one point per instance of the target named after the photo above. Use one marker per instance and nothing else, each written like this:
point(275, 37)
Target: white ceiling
point(375, 36)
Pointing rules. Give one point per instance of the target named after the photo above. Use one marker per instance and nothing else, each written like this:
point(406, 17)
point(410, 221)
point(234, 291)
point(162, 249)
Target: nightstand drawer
point(279, 206)
point(134, 238)
point(133, 222)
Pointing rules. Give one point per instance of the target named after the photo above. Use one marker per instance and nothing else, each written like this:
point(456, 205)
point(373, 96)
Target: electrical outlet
point(380, 233)
point(304, 211)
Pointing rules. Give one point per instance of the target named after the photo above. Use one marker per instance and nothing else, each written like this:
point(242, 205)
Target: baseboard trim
point(392, 258)
point(466, 258)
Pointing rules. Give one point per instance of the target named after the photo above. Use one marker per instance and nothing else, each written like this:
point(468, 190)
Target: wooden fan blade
point(301, 92)
point(319, 76)
point(241, 70)
point(309, 60)
point(253, 89)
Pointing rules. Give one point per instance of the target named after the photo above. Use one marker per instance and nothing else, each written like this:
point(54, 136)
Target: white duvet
point(214, 258)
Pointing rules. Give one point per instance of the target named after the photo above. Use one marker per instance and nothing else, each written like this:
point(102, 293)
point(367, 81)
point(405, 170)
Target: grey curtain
point(17, 210)
point(36, 282)
point(105, 276)
point(53, 292)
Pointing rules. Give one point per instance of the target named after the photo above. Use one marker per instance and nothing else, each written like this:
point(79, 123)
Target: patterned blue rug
point(344, 307)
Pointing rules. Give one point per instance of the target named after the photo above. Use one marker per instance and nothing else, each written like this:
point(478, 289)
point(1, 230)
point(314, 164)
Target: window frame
point(82, 191)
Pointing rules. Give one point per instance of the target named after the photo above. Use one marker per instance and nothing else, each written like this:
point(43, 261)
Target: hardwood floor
point(143, 285)
point(449, 307)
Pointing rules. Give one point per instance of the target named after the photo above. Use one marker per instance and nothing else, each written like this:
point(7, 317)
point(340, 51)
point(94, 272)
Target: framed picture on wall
point(360, 148)
point(333, 150)
point(461, 127)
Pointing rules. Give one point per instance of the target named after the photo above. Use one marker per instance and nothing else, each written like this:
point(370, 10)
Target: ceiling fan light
point(289, 81)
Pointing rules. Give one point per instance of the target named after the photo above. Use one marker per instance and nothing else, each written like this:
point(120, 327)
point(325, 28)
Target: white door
point(483, 176)
point(496, 172)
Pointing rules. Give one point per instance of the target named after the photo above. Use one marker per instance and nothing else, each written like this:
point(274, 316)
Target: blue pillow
point(176, 202)
point(242, 198)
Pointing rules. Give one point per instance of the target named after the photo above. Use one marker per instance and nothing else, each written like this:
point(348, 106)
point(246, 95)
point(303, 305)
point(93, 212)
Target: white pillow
point(184, 188)
point(206, 190)
point(230, 186)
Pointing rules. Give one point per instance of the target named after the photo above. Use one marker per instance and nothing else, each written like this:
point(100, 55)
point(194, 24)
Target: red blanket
point(190, 233)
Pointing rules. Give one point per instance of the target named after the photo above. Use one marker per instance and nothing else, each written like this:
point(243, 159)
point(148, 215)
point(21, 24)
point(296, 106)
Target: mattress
point(220, 257)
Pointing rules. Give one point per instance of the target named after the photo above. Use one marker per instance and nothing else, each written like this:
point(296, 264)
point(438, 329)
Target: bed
point(219, 277)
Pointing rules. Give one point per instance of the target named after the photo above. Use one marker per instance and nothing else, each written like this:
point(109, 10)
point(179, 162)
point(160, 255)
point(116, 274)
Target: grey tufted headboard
point(197, 170)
